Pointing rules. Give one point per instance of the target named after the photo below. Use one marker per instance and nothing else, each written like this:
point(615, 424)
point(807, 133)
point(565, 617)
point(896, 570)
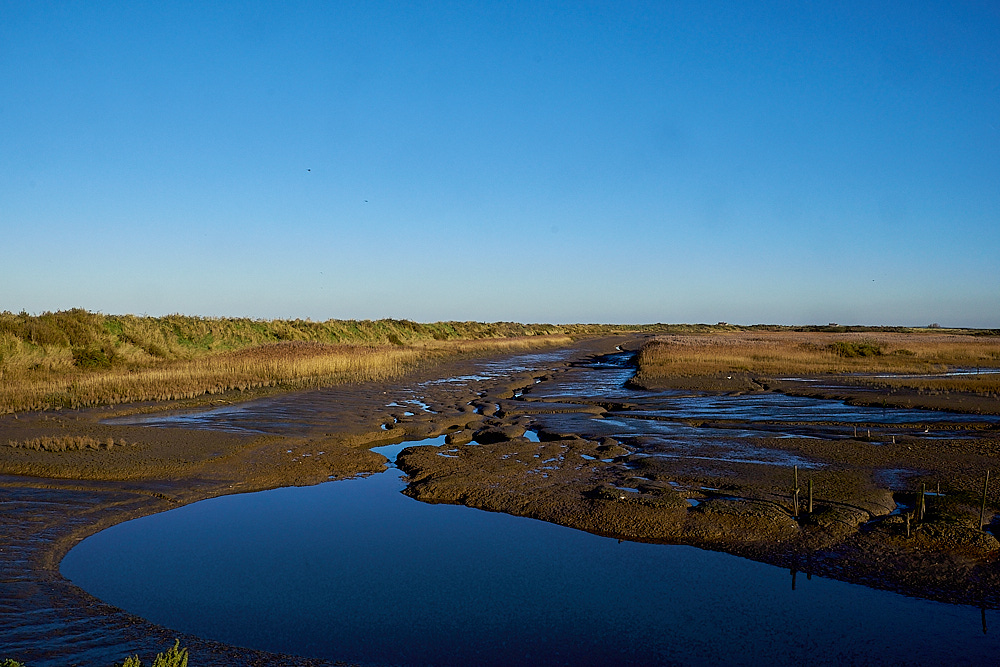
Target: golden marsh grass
point(790, 353)
point(76, 358)
point(296, 364)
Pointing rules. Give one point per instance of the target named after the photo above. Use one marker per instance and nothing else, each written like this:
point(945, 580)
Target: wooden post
point(982, 511)
point(795, 492)
point(810, 497)
point(923, 505)
point(907, 524)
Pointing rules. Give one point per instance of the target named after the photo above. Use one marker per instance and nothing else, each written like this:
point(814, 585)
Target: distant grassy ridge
point(85, 338)
point(797, 353)
point(77, 358)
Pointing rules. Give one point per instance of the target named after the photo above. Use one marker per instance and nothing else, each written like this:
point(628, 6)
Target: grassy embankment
point(774, 354)
point(76, 358)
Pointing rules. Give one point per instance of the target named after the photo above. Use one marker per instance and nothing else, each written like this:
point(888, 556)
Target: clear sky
point(782, 162)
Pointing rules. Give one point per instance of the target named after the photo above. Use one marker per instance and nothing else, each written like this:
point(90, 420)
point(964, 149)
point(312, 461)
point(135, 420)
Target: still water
point(354, 570)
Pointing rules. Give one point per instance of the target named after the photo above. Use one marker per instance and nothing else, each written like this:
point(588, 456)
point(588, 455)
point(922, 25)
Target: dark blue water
point(354, 570)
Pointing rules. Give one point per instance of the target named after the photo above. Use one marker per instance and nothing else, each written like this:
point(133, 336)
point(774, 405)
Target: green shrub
point(851, 349)
point(90, 358)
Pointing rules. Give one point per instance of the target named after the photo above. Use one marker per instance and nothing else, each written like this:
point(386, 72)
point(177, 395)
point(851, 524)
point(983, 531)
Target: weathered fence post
point(795, 492)
point(982, 511)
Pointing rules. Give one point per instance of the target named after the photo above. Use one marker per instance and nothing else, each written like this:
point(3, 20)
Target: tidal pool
point(354, 570)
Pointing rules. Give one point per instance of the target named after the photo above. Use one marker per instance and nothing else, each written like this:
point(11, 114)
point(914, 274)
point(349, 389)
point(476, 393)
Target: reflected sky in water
point(354, 570)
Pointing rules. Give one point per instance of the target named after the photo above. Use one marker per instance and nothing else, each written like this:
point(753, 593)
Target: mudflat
point(895, 505)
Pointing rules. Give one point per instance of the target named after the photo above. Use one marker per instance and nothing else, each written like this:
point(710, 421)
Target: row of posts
point(920, 511)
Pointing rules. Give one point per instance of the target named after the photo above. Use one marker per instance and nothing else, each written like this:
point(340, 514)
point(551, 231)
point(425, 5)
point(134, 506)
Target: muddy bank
point(857, 393)
point(856, 530)
point(728, 484)
point(854, 391)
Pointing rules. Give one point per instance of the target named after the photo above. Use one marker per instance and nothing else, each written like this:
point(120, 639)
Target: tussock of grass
point(787, 353)
point(173, 657)
point(65, 443)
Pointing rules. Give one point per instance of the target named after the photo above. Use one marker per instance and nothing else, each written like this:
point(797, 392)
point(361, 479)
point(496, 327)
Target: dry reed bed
point(781, 354)
point(297, 364)
point(65, 443)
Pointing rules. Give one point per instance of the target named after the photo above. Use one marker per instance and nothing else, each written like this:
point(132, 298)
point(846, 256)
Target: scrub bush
point(852, 349)
point(174, 657)
point(91, 358)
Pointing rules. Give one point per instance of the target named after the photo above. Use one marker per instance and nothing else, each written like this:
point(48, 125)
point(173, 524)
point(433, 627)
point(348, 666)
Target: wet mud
point(559, 436)
point(655, 466)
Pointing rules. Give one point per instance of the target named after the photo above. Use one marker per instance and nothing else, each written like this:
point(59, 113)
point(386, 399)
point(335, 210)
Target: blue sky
point(557, 162)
